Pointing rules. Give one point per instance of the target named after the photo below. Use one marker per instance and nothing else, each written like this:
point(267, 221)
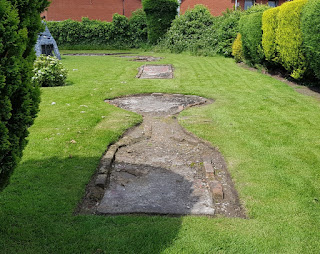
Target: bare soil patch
point(159, 168)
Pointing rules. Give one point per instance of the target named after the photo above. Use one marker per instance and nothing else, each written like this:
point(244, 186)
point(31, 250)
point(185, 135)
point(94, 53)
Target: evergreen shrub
point(160, 14)
point(138, 27)
point(269, 28)
point(226, 28)
point(20, 24)
point(310, 26)
point(289, 38)
point(237, 51)
point(191, 32)
point(251, 34)
point(49, 71)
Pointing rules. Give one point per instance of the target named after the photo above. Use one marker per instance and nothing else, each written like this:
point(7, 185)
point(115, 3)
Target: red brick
point(104, 9)
point(216, 191)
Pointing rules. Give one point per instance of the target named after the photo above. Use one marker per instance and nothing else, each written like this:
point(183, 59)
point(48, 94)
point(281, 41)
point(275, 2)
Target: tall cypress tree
point(20, 23)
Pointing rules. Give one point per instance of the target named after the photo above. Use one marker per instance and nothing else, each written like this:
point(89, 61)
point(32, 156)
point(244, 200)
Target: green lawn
point(268, 133)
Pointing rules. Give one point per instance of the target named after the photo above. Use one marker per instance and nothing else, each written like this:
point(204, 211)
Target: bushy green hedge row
point(289, 38)
point(160, 14)
point(269, 28)
point(285, 37)
point(19, 25)
point(120, 33)
point(251, 35)
point(310, 26)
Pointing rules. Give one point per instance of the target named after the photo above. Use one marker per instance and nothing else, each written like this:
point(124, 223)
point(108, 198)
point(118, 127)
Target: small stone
point(73, 141)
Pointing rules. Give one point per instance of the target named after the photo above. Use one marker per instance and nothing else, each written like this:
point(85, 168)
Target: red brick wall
point(216, 7)
point(93, 9)
point(104, 9)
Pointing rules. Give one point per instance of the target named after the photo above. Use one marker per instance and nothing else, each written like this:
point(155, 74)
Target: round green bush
point(20, 24)
point(191, 31)
point(226, 28)
point(49, 71)
point(160, 14)
point(310, 26)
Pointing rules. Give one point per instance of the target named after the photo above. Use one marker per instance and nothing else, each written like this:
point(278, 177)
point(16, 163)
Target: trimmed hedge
point(237, 51)
point(20, 24)
point(289, 38)
point(269, 28)
point(160, 14)
point(310, 26)
point(120, 33)
point(191, 32)
point(251, 32)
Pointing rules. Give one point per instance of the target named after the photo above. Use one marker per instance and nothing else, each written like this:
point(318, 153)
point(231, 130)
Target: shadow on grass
point(39, 205)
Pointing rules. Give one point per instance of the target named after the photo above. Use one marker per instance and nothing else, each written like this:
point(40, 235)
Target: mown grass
point(268, 133)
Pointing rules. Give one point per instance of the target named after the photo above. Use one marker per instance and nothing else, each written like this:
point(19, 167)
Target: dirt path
point(159, 168)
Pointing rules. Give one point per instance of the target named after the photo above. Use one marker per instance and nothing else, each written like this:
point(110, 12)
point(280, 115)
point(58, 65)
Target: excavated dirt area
point(159, 168)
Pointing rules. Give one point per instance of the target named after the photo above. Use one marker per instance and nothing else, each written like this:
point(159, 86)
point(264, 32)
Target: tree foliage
point(191, 31)
point(19, 25)
point(160, 14)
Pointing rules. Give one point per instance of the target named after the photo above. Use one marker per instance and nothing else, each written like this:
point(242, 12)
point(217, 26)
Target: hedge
point(120, 33)
point(269, 28)
point(191, 32)
point(19, 25)
point(226, 29)
point(310, 26)
point(289, 38)
point(251, 34)
point(160, 14)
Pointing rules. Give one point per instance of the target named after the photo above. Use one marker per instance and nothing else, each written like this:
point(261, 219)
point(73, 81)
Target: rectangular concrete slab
point(155, 72)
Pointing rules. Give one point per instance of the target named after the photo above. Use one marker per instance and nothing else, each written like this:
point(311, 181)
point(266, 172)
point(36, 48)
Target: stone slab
point(155, 72)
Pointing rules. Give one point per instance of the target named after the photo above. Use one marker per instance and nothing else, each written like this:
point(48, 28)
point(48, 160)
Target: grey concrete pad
point(159, 168)
point(155, 72)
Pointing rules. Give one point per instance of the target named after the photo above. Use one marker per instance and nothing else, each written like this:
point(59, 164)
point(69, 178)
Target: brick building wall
point(93, 9)
point(104, 9)
point(216, 7)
